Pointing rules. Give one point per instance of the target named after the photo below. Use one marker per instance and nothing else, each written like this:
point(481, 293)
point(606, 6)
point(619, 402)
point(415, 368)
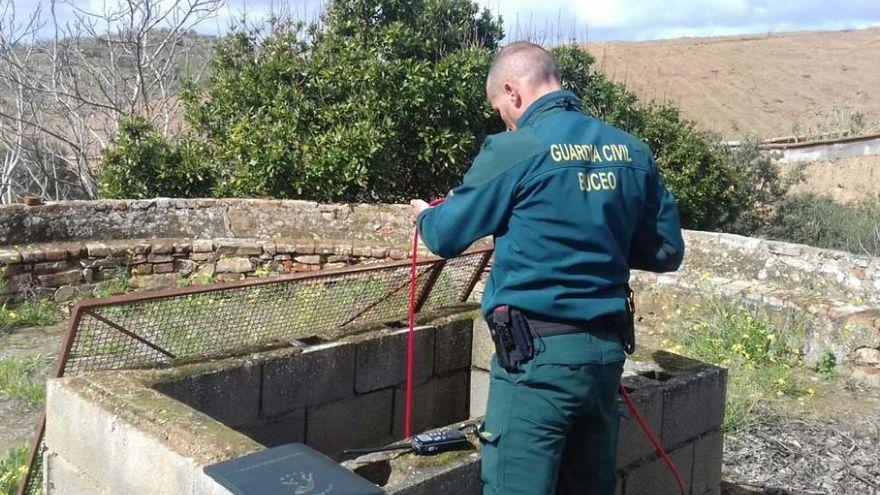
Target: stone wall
point(63, 250)
point(203, 218)
point(62, 271)
point(835, 295)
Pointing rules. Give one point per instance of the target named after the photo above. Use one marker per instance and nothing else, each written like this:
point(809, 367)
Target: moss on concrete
point(190, 433)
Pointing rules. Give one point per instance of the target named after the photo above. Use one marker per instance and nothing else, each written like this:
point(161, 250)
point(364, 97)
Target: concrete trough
point(153, 431)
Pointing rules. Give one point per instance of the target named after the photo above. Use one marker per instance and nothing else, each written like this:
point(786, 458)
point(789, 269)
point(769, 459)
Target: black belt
point(544, 327)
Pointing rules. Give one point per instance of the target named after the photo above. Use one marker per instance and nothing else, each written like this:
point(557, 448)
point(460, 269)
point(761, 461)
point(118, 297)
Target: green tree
point(382, 101)
point(140, 163)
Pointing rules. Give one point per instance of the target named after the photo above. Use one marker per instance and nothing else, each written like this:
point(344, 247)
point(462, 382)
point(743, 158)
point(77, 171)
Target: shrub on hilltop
point(383, 100)
point(139, 163)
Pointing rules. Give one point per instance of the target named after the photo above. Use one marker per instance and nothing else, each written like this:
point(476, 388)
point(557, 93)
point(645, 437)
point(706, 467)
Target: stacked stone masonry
point(102, 428)
point(64, 250)
point(63, 271)
point(834, 295)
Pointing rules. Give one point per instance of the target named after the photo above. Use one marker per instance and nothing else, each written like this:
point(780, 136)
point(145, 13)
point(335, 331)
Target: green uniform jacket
point(572, 203)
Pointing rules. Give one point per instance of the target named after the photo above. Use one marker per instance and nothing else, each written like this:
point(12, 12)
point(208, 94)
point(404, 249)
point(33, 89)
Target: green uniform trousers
point(551, 426)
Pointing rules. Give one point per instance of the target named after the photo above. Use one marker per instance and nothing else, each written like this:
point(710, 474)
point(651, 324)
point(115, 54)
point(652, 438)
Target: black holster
point(512, 337)
point(628, 333)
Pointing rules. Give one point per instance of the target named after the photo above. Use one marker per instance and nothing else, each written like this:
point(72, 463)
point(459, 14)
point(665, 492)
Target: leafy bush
point(383, 100)
point(822, 222)
point(139, 163)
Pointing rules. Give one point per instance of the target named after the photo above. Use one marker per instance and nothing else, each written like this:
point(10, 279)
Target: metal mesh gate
point(158, 328)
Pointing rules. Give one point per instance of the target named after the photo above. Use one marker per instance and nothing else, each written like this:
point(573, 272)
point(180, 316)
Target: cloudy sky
point(597, 20)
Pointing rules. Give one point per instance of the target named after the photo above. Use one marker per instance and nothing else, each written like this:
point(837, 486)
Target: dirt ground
point(846, 180)
point(755, 85)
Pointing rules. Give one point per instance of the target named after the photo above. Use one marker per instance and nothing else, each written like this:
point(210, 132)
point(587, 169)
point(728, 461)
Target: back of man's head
point(523, 62)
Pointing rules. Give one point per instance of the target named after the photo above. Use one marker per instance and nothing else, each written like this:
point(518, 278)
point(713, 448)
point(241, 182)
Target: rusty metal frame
point(87, 306)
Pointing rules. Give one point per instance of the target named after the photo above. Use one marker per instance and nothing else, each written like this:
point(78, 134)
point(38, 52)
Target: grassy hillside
point(769, 85)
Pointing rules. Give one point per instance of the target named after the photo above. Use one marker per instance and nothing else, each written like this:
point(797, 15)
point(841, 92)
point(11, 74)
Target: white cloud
point(560, 20)
point(650, 19)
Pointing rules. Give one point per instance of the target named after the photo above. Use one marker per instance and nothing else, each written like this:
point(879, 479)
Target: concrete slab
point(479, 392)
point(381, 361)
point(439, 402)
point(654, 478)
point(693, 404)
point(361, 421)
point(278, 431)
point(319, 375)
point(60, 476)
point(231, 395)
point(708, 452)
point(460, 478)
point(483, 347)
point(452, 347)
point(96, 438)
point(633, 444)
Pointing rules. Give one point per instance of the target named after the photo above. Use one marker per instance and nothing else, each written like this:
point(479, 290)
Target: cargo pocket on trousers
point(490, 440)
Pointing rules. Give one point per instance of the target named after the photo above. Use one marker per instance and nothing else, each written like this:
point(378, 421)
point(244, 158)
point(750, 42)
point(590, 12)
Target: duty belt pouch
point(512, 337)
point(628, 336)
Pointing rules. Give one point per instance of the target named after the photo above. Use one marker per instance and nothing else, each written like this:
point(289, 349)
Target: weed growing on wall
point(762, 356)
point(826, 364)
point(12, 467)
point(116, 286)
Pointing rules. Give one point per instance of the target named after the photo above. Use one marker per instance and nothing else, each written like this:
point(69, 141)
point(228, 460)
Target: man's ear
point(512, 93)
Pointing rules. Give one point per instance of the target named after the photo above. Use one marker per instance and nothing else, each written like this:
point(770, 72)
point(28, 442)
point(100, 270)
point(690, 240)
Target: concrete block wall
point(102, 431)
point(681, 400)
point(341, 394)
point(93, 451)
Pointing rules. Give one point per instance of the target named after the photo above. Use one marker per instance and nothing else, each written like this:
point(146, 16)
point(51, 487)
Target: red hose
point(410, 361)
point(650, 434)
point(411, 341)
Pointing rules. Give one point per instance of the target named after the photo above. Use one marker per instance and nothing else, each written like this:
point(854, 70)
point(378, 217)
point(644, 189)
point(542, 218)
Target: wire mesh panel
point(153, 329)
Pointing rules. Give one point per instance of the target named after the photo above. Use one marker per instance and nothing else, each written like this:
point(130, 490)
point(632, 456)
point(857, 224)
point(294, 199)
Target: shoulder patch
point(500, 153)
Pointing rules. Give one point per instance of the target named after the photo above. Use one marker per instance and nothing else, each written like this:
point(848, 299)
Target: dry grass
point(847, 180)
point(761, 84)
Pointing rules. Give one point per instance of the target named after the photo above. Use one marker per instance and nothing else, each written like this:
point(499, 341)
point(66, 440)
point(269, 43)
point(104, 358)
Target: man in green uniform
point(573, 204)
